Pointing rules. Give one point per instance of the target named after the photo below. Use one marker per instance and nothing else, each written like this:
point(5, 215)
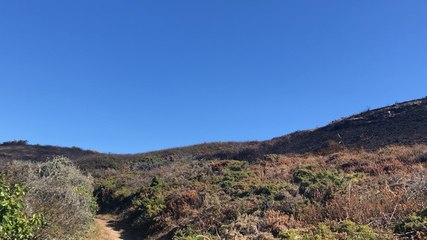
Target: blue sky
point(133, 76)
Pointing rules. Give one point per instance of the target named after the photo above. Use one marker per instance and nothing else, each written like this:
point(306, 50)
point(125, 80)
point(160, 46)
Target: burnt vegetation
point(361, 177)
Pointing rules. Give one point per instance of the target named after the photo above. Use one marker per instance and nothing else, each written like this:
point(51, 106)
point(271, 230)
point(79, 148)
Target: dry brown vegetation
point(346, 194)
point(267, 199)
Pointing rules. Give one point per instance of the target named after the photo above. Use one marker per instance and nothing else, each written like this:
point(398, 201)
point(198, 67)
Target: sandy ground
point(107, 229)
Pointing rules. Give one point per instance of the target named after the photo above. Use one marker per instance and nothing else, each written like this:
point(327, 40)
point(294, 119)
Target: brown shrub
point(381, 203)
point(183, 204)
point(275, 221)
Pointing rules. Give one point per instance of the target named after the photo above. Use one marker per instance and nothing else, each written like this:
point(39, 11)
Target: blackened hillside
point(400, 124)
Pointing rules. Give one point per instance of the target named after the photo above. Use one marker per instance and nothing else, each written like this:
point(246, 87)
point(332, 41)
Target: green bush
point(233, 173)
point(270, 189)
point(149, 202)
point(413, 225)
point(352, 230)
point(15, 223)
point(321, 185)
point(189, 234)
point(346, 230)
point(236, 171)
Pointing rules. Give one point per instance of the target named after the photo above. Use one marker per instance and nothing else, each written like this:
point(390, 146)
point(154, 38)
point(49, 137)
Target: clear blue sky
point(133, 76)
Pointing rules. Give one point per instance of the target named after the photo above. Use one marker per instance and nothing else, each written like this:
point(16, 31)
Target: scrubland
point(348, 194)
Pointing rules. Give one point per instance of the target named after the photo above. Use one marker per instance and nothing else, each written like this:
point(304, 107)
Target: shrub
point(183, 203)
point(346, 230)
point(15, 223)
point(352, 230)
point(149, 203)
point(64, 195)
point(233, 173)
point(189, 234)
point(320, 186)
point(275, 221)
point(379, 202)
point(111, 194)
point(270, 189)
point(414, 226)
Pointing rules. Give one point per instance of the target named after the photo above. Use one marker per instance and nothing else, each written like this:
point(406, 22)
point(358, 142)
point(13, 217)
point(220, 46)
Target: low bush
point(232, 172)
point(64, 196)
point(321, 185)
point(149, 202)
point(111, 194)
point(270, 189)
point(275, 222)
point(189, 234)
point(346, 230)
point(414, 226)
point(379, 202)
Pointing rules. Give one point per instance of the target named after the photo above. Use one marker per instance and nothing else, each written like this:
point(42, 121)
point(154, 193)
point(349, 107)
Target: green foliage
point(320, 185)
point(15, 223)
point(122, 191)
point(149, 162)
point(188, 234)
point(157, 183)
point(93, 205)
point(321, 232)
point(270, 189)
point(346, 230)
point(116, 188)
point(233, 173)
point(108, 183)
point(149, 202)
point(236, 171)
point(354, 231)
point(290, 234)
point(237, 166)
point(414, 224)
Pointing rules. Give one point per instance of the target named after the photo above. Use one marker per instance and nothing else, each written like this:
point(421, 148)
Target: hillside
point(23, 151)
point(399, 124)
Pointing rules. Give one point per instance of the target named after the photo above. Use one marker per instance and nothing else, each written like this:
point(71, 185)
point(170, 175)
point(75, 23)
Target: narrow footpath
point(108, 229)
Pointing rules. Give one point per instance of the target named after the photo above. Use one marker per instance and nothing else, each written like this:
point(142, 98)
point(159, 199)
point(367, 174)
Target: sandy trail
point(108, 230)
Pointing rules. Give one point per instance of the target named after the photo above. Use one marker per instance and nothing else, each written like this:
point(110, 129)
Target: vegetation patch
point(414, 226)
point(15, 222)
point(321, 185)
point(346, 230)
point(148, 203)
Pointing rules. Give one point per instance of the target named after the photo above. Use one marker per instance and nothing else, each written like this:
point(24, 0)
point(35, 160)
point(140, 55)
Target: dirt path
point(108, 229)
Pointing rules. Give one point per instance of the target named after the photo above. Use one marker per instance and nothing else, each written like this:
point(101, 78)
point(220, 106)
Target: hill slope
point(399, 124)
